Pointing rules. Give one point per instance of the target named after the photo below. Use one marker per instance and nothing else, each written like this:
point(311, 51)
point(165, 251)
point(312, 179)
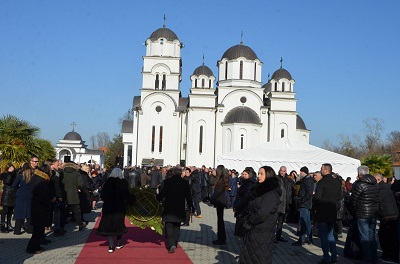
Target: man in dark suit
point(327, 194)
point(175, 191)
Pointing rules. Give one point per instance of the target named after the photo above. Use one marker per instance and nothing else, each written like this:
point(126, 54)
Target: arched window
point(201, 140)
point(195, 83)
point(226, 70)
point(290, 87)
point(202, 83)
point(157, 84)
point(241, 141)
point(276, 87)
point(255, 71)
point(209, 83)
point(153, 138)
point(160, 143)
point(241, 70)
point(164, 81)
point(283, 86)
point(282, 133)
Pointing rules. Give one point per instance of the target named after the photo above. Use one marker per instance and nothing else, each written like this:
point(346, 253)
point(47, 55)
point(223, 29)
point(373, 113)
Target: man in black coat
point(326, 196)
point(388, 215)
point(175, 191)
point(155, 179)
point(304, 199)
point(364, 206)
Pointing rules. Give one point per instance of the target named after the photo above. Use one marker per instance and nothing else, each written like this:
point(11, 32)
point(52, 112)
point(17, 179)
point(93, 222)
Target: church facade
point(221, 114)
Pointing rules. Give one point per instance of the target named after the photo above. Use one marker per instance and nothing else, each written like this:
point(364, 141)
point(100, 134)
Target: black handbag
point(220, 199)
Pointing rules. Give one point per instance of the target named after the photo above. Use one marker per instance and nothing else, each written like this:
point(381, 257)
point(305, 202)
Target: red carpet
point(140, 246)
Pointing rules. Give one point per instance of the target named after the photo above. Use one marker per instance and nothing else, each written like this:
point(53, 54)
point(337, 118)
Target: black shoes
point(298, 244)
point(111, 249)
point(119, 245)
point(281, 239)
point(219, 242)
point(172, 249)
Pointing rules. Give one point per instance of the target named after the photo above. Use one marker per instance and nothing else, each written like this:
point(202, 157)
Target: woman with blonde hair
point(24, 199)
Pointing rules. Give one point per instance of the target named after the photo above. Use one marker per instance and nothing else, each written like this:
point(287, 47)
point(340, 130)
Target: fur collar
point(41, 174)
point(268, 185)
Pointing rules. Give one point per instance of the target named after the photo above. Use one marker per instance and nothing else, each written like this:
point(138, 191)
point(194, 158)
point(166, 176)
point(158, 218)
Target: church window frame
point(282, 133)
point(276, 87)
point(202, 83)
point(209, 83)
point(201, 139)
point(241, 141)
point(195, 83)
point(157, 82)
point(226, 70)
point(241, 70)
point(283, 86)
point(160, 140)
point(255, 71)
point(164, 82)
point(153, 138)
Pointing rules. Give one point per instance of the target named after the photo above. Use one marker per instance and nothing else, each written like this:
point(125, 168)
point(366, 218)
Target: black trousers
point(279, 225)
point(34, 242)
point(76, 211)
point(172, 232)
point(221, 234)
point(388, 239)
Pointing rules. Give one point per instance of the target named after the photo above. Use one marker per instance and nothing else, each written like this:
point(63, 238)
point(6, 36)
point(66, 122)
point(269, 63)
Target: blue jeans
point(366, 228)
point(328, 243)
point(305, 223)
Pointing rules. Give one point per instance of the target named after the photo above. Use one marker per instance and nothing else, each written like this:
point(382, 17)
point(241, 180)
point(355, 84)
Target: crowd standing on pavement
point(319, 203)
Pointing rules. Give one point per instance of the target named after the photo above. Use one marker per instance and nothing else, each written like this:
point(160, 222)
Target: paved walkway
point(195, 240)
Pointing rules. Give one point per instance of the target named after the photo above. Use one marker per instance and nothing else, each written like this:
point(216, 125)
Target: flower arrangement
point(146, 211)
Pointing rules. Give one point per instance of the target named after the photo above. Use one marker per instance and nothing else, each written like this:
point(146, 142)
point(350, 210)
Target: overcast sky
point(80, 61)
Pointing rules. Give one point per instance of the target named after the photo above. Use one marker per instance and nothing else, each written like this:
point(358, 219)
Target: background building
point(221, 114)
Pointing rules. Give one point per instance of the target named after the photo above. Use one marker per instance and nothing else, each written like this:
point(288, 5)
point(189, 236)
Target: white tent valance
point(290, 153)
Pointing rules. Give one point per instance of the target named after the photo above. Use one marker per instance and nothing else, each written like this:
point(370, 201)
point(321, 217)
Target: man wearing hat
point(304, 200)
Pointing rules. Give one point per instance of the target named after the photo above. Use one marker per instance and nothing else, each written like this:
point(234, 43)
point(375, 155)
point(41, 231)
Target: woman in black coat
point(40, 207)
point(24, 199)
point(8, 198)
point(241, 203)
point(115, 195)
point(220, 187)
point(261, 218)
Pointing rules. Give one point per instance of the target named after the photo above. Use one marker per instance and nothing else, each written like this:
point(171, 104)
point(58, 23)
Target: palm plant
point(379, 164)
point(18, 141)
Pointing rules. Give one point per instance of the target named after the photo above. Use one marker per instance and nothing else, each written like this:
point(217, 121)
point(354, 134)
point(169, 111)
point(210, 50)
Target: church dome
point(72, 136)
point(239, 51)
point(203, 70)
point(163, 33)
point(242, 114)
point(280, 74)
point(300, 123)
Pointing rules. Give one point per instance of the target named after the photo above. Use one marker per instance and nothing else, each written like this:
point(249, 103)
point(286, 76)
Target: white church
point(223, 113)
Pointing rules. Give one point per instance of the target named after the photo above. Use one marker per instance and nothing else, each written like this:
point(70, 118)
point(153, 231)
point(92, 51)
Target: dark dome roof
point(242, 114)
point(163, 33)
point(239, 51)
point(72, 136)
point(203, 70)
point(300, 123)
point(281, 73)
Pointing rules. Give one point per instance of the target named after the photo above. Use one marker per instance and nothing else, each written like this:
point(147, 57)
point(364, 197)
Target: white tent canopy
point(292, 154)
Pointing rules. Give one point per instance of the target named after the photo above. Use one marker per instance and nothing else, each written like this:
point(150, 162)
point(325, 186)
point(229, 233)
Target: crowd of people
point(46, 197)
point(319, 203)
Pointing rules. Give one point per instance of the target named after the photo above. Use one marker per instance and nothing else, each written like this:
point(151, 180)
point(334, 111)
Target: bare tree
point(103, 139)
point(127, 116)
point(373, 129)
point(93, 144)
